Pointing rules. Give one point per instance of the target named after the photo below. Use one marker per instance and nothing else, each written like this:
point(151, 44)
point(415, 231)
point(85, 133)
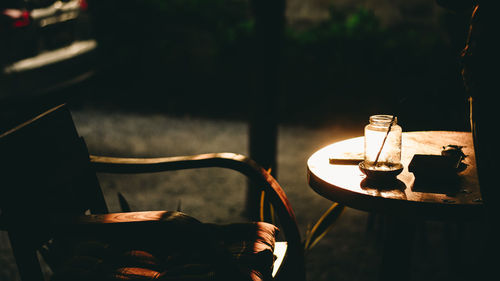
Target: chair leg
point(26, 258)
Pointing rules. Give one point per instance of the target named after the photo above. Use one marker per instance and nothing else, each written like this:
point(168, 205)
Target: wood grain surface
point(346, 184)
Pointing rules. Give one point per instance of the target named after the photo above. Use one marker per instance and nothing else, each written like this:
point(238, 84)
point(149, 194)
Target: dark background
point(351, 58)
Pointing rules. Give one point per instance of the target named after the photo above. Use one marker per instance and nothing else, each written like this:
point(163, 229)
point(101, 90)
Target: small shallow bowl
point(380, 174)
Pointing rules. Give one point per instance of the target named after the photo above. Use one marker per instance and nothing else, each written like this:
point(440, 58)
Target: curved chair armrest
point(262, 179)
point(121, 165)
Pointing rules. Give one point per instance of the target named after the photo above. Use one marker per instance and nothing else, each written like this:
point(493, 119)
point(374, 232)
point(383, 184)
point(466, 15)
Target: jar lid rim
point(383, 118)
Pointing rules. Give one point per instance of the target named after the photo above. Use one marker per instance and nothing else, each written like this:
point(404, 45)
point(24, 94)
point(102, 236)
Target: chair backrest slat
point(45, 168)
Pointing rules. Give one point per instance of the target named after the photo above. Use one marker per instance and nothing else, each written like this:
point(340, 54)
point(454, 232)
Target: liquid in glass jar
point(383, 143)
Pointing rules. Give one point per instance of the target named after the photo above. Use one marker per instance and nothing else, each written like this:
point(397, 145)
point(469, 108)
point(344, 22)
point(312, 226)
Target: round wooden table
point(347, 185)
point(402, 201)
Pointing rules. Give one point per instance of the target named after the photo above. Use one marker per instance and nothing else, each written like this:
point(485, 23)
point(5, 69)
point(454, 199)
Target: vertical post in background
point(269, 18)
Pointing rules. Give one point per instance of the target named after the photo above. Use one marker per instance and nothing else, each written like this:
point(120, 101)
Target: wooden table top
point(347, 185)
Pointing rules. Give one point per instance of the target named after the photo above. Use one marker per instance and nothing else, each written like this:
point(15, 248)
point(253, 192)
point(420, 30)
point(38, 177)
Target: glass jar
point(383, 143)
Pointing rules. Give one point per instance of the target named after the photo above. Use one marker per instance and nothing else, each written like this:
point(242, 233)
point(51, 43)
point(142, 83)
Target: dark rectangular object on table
point(434, 173)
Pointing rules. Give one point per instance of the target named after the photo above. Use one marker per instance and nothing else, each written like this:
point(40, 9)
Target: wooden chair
point(50, 190)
